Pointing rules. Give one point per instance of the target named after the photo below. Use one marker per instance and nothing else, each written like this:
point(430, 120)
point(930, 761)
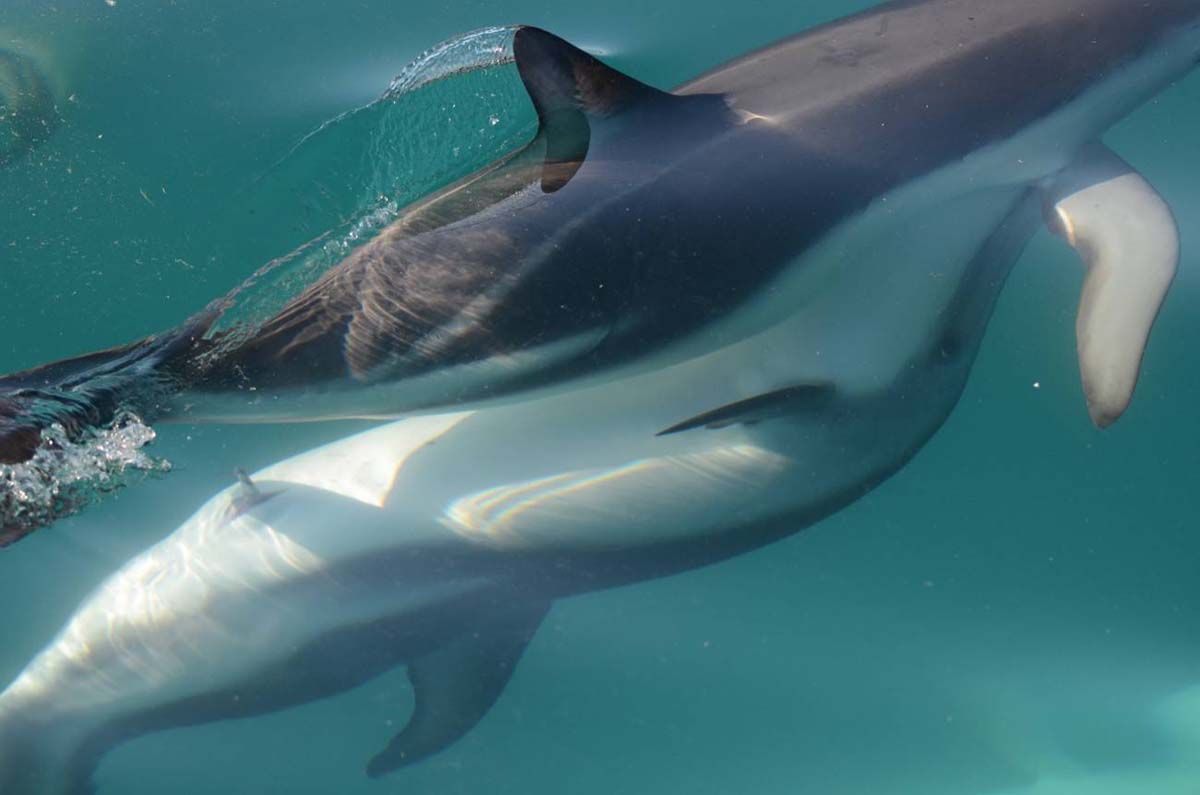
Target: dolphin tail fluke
point(455, 686)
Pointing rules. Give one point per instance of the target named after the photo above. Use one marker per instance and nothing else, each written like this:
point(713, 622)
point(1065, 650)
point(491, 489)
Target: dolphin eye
point(951, 346)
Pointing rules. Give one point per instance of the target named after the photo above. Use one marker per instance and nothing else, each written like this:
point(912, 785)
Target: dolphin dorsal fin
point(560, 76)
point(570, 90)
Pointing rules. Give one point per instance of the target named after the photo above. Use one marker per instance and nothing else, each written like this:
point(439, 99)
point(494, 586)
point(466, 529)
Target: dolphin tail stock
point(54, 445)
point(88, 391)
point(22, 771)
point(34, 763)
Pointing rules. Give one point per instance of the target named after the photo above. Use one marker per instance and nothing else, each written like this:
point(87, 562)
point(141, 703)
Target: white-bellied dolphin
point(904, 155)
point(640, 227)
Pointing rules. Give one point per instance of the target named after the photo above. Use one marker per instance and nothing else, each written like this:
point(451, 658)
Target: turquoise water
point(1017, 606)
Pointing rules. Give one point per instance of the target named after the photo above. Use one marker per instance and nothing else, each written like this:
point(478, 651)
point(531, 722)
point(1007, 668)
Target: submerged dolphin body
point(864, 189)
point(28, 112)
point(641, 228)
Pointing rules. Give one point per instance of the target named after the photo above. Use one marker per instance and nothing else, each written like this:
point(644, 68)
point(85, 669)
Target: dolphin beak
point(1127, 239)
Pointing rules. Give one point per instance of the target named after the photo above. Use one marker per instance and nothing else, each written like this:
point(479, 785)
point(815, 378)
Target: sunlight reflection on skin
point(156, 616)
point(364, 467)
point(160, 616)
point(601, 503)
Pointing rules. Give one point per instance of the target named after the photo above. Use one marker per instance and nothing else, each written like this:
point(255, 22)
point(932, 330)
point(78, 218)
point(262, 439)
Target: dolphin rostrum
point(642, 227)
point(810, 240)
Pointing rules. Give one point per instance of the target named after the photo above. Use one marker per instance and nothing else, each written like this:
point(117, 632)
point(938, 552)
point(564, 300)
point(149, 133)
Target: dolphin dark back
point(853, 109)
point(908, 86)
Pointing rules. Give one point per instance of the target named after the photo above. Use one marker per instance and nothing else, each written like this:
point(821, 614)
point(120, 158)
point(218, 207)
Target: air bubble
point(65, 474)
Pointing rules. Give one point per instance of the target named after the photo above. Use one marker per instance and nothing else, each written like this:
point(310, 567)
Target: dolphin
point(28, 110)
point(1052, 765)
point(864, 188)
point(641, 227)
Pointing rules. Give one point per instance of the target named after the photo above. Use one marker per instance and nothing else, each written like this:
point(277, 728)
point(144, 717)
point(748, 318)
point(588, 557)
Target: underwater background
point(1016, 611)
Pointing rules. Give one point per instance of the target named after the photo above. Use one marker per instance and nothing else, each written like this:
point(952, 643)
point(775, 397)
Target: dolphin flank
point(813, 236)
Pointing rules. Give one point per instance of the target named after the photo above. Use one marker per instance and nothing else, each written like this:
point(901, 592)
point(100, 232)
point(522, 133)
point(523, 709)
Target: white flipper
point(1126, 236)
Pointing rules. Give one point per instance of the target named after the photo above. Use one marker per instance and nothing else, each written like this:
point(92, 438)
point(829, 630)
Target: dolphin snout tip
point(1102, 419)
point(1106, 409)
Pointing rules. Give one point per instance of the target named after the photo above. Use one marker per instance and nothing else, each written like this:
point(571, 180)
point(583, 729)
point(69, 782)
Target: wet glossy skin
point(425, 537)
point(640, 225)
point(680, 211)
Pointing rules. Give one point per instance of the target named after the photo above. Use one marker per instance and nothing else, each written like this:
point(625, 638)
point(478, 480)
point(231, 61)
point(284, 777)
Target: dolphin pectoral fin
point(1127, 238)
point(456, 685)
point(769, 405)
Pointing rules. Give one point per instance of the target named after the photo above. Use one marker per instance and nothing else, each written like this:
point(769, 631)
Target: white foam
point(65, 473)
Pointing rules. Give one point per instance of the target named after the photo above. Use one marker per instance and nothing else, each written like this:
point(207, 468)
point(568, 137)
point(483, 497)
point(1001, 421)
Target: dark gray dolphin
point(908, 153)
point(641, 227)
